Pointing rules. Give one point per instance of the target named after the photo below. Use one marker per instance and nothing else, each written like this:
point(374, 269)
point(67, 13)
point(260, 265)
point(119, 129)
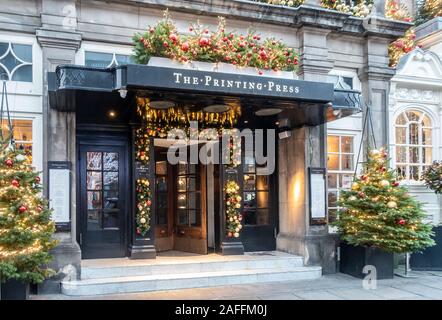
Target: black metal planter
point(14, 290)
point(354, 259)
point(431, 258)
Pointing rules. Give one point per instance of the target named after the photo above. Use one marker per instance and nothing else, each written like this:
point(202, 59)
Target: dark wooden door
point(190, 216)
point(103, 202)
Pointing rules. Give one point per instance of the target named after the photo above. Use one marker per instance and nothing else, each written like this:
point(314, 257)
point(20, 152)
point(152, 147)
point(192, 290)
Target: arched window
point(413, 144)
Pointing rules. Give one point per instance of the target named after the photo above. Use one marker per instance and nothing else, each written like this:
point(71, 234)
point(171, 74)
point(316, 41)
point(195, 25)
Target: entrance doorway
point(103, 204)
point(180, 204)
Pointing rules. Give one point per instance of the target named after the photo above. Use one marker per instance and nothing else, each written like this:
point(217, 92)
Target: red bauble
point(361, 194)
point(173, 37)
point(22, 209)
point(9, 162)
point(15, 183)
point(185, 46)
point(148, 202)
point(401, 222)
point(39, 208)
point(230, 234)
point(383, 169)
point(165, 44)
point(363, 177)
point(138, 231)
point(37, 179)
point(204, 42)
point(395, 183)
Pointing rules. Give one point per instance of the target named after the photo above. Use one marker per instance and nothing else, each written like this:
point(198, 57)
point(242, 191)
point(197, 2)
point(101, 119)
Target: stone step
point(153, 267)
point(155, 282)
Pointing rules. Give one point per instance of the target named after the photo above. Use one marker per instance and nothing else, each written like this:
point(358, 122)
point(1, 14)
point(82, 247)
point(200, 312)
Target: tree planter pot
point(14, 290)
point(431, 258)
point(353, 259)
point(219, 67)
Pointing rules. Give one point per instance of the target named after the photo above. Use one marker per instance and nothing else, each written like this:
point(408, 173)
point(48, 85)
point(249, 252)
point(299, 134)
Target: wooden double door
point(180, 205)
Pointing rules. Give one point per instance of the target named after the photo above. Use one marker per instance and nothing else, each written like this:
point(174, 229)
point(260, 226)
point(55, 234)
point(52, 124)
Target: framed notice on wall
point(317, 196)
point(60, 193)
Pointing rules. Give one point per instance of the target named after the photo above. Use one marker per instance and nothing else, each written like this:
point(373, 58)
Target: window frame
point(407, 145)
point(355, 137)
point(80, 57)
point(21, 87)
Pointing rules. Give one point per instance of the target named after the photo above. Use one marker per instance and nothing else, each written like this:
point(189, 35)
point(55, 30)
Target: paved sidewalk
point(422, 285)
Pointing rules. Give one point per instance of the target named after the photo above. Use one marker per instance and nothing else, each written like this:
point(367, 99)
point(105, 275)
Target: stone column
point(375, 77)
point(59, 43)
point(305, 148)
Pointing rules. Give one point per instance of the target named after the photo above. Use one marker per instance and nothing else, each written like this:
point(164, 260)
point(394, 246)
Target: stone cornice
point(275, 14)
point(58, 38)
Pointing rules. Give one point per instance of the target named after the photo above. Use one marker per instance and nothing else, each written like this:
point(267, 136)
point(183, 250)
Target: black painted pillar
point(142, 247)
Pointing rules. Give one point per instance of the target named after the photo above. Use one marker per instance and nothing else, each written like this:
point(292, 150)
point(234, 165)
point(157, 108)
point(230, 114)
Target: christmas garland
point(433, 176)
point(143, 193)
point(163, 40)
point(401, 46)
point(361, 8)
point(287, 3)
point(233, 204)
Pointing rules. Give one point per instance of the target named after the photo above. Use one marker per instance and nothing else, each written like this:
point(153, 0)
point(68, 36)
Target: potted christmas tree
point(26, 227)
point(379, 218)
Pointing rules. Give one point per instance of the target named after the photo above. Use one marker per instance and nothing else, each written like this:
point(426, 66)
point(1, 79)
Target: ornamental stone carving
point(416, 95)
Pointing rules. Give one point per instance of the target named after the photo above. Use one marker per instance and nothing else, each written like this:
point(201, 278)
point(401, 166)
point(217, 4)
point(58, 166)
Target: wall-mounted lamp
point(123, 93)
point(112, 114)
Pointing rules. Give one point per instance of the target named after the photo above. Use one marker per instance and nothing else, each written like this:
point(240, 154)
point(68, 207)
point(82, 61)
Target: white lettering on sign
point(210, 81)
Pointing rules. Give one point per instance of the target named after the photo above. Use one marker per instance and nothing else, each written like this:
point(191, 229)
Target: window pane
point(401, 154)
point(401, 135)
point(182, 185)
point(123, 59)
point(414, 155)
point(94, 220)
point(413, 115)
point(414, 173)
point(182, 201)
point(426, 122)
point(426, 136)
point(10, 62)
point(332, 180)
point(191, 184)
point(401, 172)
point(97, 59)
point(332, 215)
point(413, 133)
point(110, 161)
point(161, 184)
point(262, 183)
point(94, 200)
point(22, 130)
point(249, 164)
point(347, 162)
point(191, 200)
point(262, 216)
point(23, 73)
point(183, 218)
point(161, 167)
point(249, 200)
point(249, 182)
point(332, 198)
point(332, 144)
point(401, 119)
point(93, 160)
point(111, 203)
point(333, 162)
point(263, 199)
point(195, 218)
point(347, 144)
point(110, 180)
point(346, 181)
point(427, 155)
point(3, 47)
point(23, 51)
point(93, 180)
point(3, 74)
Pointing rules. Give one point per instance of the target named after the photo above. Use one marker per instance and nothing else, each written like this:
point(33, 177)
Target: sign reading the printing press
point(164, 78)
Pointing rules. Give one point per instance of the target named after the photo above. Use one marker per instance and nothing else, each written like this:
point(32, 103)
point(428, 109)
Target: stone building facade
point(332, 46)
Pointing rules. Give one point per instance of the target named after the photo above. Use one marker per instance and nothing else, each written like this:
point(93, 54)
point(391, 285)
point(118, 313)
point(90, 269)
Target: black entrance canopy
point(264, 101)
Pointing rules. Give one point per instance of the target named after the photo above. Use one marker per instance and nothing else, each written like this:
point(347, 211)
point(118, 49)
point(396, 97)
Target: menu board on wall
point(59, 193)
point(317, 193)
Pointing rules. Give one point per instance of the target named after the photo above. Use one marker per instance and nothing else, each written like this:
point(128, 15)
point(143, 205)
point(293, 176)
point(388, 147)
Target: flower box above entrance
point(215, 50)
